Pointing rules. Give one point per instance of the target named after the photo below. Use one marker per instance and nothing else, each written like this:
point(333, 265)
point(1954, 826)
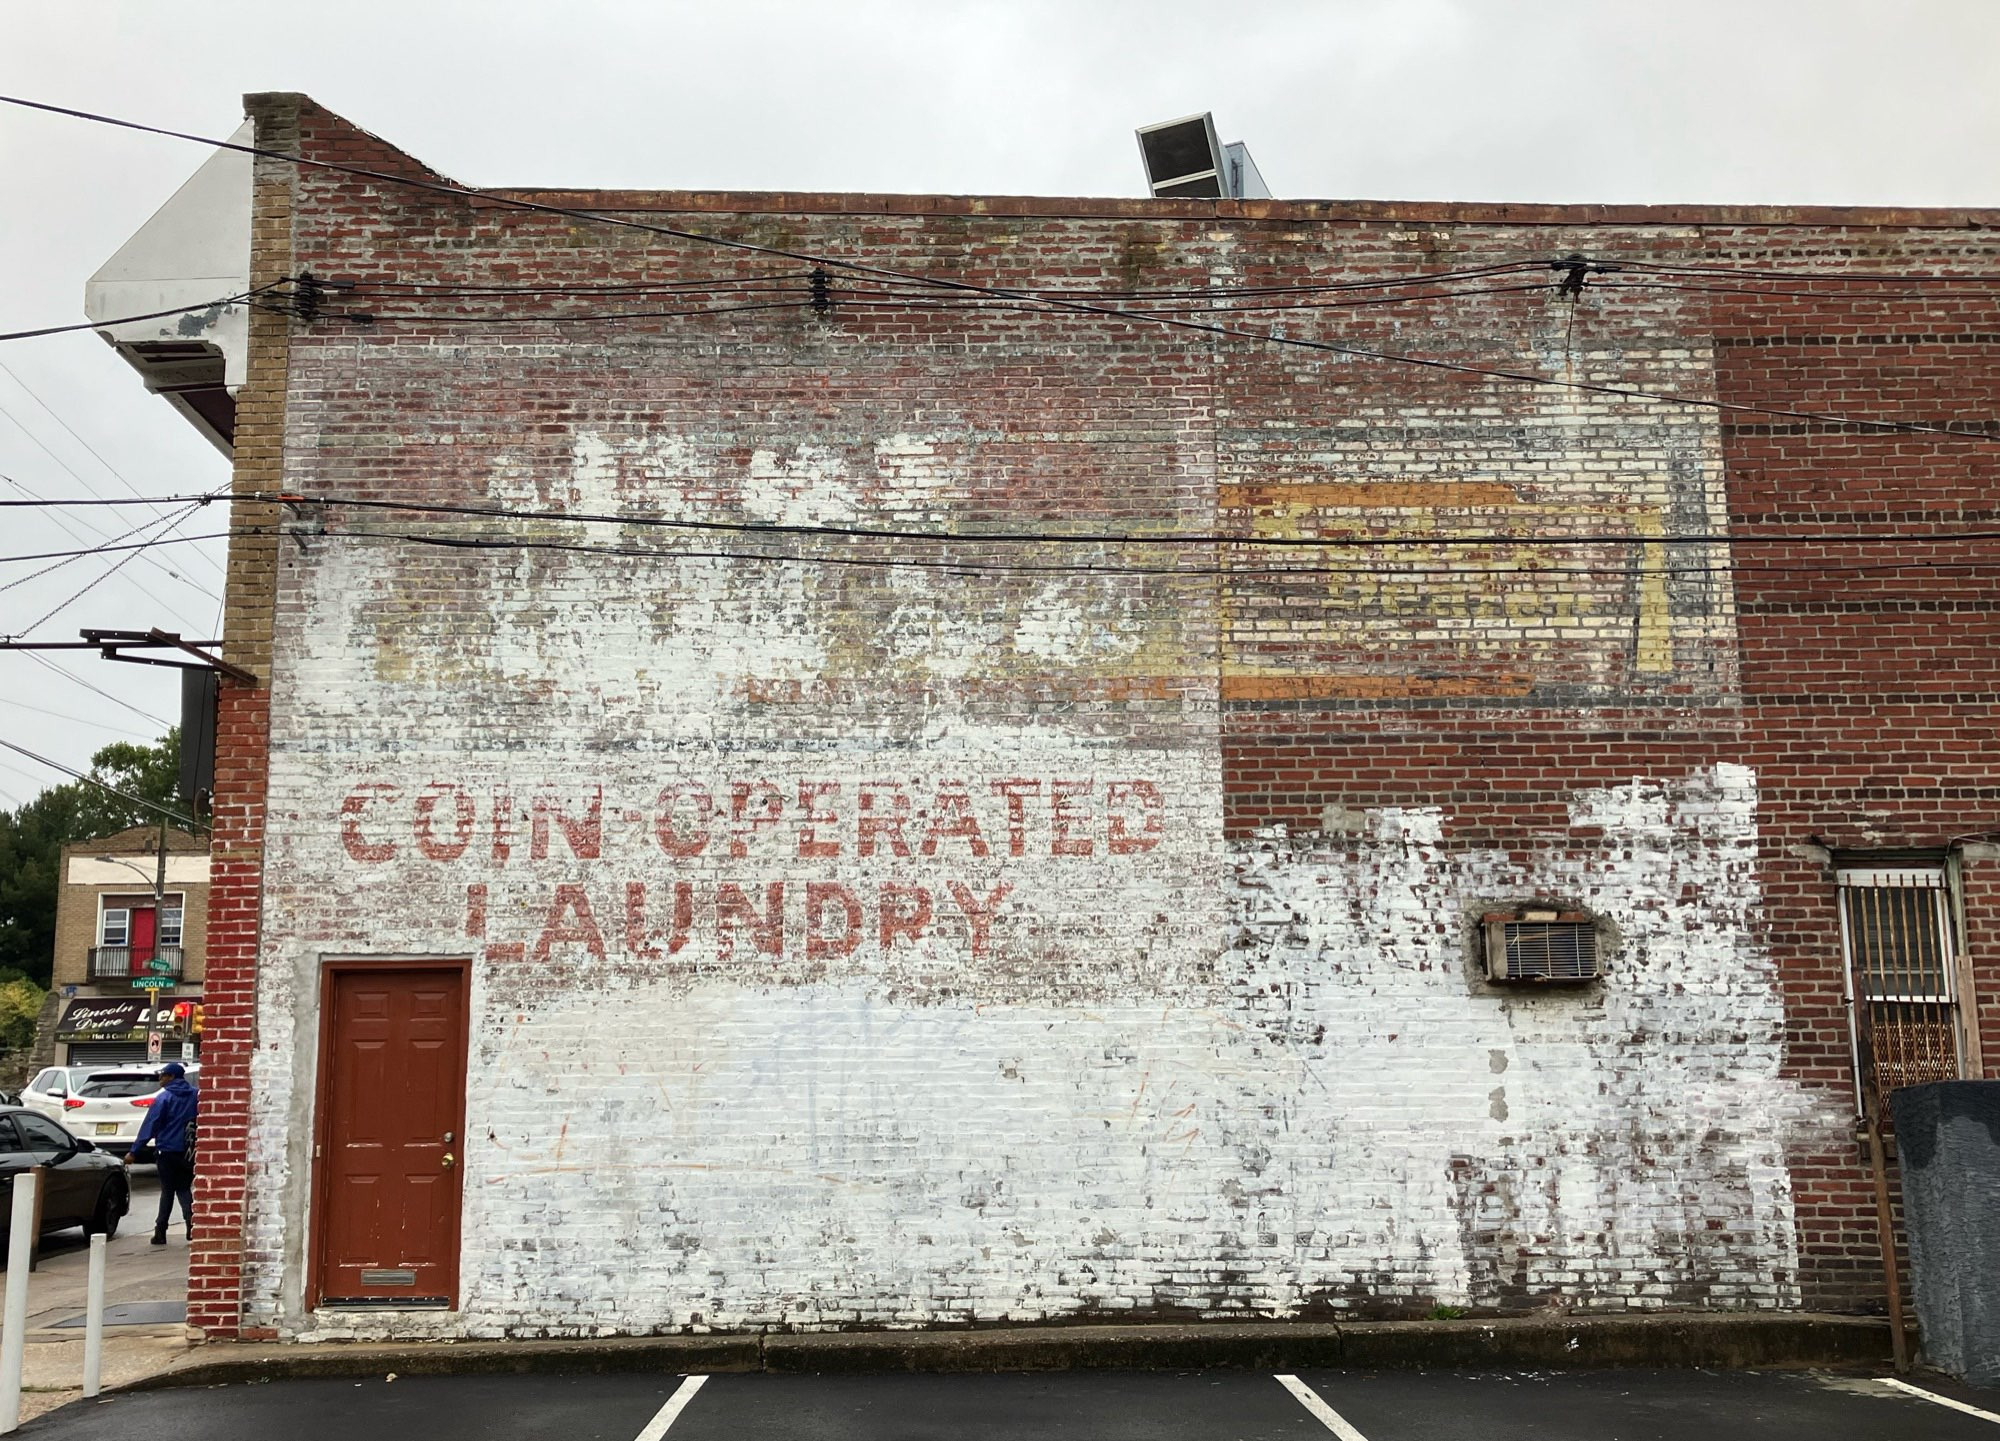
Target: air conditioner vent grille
point(1541, 950)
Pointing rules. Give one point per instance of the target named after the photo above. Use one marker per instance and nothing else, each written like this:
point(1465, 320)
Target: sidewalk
point(150, 1281)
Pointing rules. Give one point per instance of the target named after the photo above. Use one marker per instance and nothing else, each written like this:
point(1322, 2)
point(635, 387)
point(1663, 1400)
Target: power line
point(1139, 538)
point(1841, 276)
point(132, 553)
point(435, 319)
point(1623, 570)
point(47, 664)
point(1539, 541)
point(907, 300)
point(776, 279)
point(135, 319)
point(440, 187)
point(95, 453)
point(63, 558)
point(1530, 542)
point(1620, 283)
point(62, 523)
point(1144, 538)
point(67, 502)
point(76, 719)
point(171, 815)
point(69, 555)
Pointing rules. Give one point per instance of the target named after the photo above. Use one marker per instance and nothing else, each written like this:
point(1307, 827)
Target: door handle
point(447, 1162)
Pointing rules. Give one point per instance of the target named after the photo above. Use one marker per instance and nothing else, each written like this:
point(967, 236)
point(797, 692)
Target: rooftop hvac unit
point(1184, 159)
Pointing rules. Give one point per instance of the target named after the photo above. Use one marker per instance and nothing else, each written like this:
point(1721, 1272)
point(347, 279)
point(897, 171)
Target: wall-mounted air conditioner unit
point(1541, 946)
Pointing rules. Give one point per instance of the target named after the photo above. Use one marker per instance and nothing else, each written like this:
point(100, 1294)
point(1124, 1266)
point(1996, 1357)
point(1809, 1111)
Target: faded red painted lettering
point(906, 910)
point(734, 910)
point(812, 817)
point(351, 809)
point(673, 840)
point(585, 834)
point(683, 916)
point(747, 818)
point(819, 896)
point(1069, 818)
point(475, 910)
point(878, 820)
point(1121, 841)
point(464, 816)
point(952, 818)
point(638, 939)
point(571, 900)
point(1017, 792)
point(503, 825)
point(979, 913)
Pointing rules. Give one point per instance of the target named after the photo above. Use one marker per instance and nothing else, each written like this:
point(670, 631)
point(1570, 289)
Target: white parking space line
point(1940, 1400)
point(670, 1413)
point(1322, 1413)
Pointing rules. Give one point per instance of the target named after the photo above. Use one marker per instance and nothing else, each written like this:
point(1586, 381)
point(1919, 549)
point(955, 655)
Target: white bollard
point(93, 1320)
point(14, 1324)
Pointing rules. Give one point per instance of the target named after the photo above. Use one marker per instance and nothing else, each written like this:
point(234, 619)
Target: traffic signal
point(187, 1016)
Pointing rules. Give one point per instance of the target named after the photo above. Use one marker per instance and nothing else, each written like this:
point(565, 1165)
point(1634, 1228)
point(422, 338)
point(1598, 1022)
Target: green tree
point(32, 838)
point(20, 1006)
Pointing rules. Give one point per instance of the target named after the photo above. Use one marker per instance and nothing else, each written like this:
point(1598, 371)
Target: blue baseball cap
point(173, 1070)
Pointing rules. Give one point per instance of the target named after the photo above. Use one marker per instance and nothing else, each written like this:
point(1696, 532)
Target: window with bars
point(1900, 940)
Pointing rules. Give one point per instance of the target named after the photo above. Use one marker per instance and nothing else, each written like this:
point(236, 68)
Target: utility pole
point(153, 1046)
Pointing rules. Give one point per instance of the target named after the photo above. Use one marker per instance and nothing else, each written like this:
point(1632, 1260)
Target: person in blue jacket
point(169, 1125)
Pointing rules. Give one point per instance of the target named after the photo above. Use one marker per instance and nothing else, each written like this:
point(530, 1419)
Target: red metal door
point(391, 1121)
point(145, 929)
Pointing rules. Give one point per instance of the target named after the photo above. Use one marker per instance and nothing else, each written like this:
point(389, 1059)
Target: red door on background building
point(145, 930)
point(389, 1136)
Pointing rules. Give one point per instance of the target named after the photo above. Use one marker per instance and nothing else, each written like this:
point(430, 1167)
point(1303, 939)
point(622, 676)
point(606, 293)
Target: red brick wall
point(1869, 697)
point(235, 900)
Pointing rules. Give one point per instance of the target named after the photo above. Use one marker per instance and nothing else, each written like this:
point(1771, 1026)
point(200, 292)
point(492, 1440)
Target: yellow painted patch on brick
point(1367, 495)
point(1653, 646)
point(1367, 687)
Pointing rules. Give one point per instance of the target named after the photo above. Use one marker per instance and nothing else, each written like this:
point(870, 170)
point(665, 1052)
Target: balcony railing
point(116, 963)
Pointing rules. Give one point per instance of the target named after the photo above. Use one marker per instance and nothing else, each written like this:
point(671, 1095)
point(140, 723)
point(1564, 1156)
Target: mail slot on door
point(388, 1278)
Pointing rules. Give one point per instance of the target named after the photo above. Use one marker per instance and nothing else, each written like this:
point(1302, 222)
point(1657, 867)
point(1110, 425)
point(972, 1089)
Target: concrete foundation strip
point(1717, 1340)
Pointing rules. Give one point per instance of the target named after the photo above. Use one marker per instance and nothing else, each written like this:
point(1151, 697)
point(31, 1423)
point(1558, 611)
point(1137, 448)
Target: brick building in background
point(1009, 812)
point(109, 925)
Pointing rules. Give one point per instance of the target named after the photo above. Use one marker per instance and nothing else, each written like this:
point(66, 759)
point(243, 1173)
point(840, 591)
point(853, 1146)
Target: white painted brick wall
point(1249, 1080)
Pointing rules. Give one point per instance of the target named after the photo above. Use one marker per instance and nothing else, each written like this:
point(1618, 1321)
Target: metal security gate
point(109, 1053)
point(122, 1053)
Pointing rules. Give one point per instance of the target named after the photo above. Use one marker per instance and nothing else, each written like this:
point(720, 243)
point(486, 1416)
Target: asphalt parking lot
point(1074, 1406)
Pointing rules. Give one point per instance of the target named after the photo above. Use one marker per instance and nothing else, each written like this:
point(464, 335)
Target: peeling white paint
point(809, 487)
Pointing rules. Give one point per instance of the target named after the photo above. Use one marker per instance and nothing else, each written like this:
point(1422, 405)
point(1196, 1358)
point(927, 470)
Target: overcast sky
point(1777, 101)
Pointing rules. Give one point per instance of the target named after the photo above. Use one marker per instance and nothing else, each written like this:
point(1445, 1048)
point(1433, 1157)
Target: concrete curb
point(1674, 1341)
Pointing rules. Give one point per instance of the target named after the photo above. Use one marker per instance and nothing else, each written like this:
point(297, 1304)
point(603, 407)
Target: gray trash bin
point(1948, 1139)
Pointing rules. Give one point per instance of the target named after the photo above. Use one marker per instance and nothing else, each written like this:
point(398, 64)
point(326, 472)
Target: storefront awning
point(109, 1018)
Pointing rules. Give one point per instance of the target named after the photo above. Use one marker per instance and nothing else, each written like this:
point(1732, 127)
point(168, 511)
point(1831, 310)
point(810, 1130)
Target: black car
point(81, 1185)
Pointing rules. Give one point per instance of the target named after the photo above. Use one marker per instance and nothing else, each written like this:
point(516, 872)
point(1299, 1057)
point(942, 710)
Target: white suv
point(107, 1109)
point(55, 1085)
